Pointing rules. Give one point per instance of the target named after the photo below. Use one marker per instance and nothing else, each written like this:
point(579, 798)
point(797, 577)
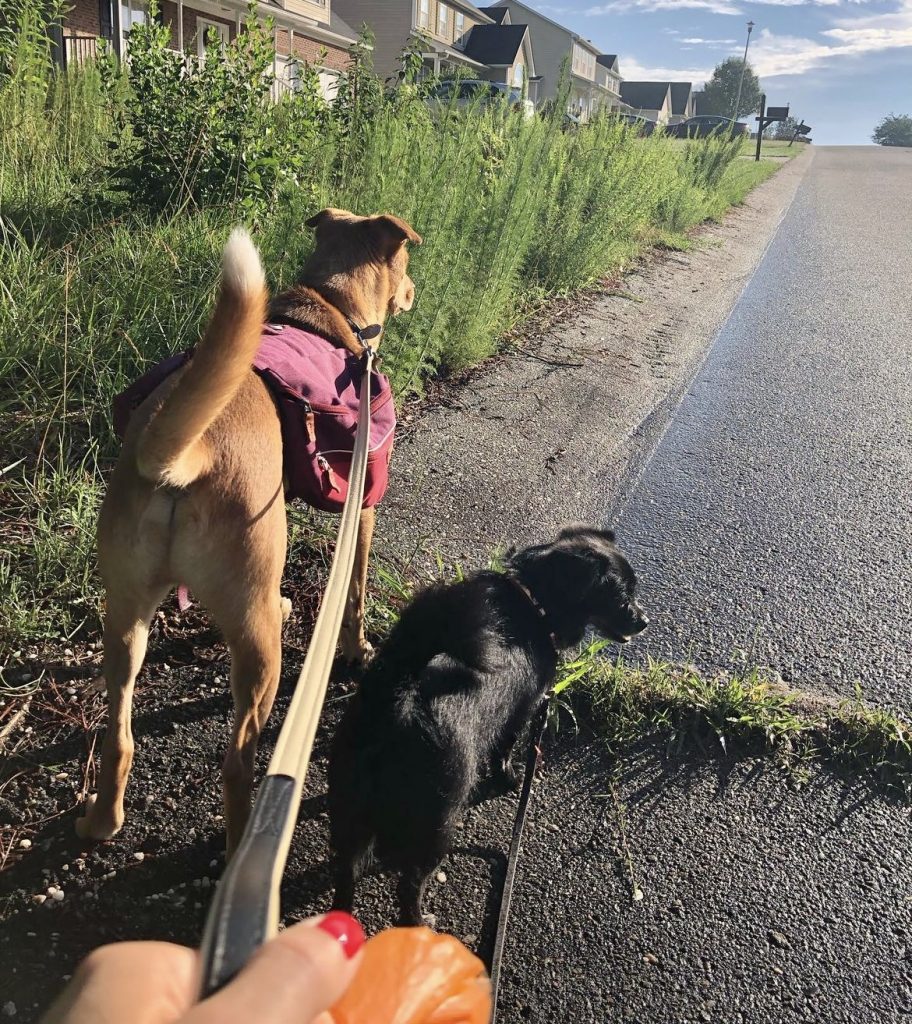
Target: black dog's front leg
point(504, 773)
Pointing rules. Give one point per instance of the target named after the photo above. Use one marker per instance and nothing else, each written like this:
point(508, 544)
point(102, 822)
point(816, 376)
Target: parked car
point(469, 91)
point(643, 125)
point(702, 125)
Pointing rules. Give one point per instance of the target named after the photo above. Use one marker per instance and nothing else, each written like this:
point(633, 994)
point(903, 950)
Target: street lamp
point(750, 26)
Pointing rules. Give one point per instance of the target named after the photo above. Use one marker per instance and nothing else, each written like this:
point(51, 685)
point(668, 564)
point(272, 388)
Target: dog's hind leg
point(348, 872)
point(256, 660)
point(126, 634)
point(412, 883)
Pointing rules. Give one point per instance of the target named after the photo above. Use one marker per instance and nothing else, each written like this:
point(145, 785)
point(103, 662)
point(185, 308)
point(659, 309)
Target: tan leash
point(245, 909)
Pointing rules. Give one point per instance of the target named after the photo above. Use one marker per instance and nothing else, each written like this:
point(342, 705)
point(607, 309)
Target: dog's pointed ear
point(395, 231)
point(324, 217)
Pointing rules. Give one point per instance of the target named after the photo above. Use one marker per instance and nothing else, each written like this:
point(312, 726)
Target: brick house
point(307, 29)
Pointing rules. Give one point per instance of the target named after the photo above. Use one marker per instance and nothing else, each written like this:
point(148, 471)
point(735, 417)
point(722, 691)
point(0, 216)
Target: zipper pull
point(328, 474)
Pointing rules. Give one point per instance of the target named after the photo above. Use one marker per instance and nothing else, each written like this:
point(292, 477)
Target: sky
point(841, 65)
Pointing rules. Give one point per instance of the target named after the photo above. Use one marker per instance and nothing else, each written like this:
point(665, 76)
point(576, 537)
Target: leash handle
point(244, 912)
point(532, 760)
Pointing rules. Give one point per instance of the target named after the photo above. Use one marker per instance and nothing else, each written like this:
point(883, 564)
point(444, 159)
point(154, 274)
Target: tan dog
point(197, 494)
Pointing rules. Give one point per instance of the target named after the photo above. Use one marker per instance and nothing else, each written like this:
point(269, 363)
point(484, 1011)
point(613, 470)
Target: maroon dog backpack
point(316, 387)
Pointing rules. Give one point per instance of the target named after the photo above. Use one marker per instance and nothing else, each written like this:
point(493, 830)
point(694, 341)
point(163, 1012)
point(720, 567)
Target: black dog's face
point(618, 614)
point(584, 580)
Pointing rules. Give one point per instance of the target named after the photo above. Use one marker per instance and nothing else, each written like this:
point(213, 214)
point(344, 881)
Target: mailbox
point(777, 113)
point(803, 129)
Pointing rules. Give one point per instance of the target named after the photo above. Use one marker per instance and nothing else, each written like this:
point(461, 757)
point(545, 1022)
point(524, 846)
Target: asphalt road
point(773, 523)
point(771, 526)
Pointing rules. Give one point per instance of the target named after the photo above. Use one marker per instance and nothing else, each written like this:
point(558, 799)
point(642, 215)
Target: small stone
point(67, 652)
point(51, 889)
point(9, 1009)
point(71, 690)
point(25, 844)
point(469, 939)
point(778, 939)
point(205, 882)
point(58, 895)
point(39, 898)
point(64, 867)
point(650, 958)
point(637, 894)
point(139, 855)
point(441, 876)
point(213, 863)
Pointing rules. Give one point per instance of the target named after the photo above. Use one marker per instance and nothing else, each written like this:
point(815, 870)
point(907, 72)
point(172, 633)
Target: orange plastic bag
point(415, 976)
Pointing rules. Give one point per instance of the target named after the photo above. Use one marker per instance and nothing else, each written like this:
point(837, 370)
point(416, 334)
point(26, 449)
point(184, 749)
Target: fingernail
point(345, 930)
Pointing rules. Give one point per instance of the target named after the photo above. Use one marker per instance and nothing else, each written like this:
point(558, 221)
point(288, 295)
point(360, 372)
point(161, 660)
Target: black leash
point(532, 761)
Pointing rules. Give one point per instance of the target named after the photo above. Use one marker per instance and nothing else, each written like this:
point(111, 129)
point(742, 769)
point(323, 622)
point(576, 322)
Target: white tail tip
point(242, 271)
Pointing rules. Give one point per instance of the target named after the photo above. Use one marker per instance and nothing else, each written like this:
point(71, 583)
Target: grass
point(740, 713)
point(94, 285)
point(747, 712)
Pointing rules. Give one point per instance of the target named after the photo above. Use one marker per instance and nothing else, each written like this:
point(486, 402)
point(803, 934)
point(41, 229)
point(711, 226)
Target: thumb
point(292, 978)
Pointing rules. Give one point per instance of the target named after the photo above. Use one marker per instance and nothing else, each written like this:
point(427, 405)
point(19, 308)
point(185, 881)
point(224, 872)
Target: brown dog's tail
point(172, 449)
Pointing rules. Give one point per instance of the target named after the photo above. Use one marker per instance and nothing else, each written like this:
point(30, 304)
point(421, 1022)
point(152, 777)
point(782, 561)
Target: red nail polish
point(345, 930)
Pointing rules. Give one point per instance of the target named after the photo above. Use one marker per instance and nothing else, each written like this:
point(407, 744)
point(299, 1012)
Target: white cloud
point(634, 71)
point(697, 41)
point(715, 6)
point(774, 55)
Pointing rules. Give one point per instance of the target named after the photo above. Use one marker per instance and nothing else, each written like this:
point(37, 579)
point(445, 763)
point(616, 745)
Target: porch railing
point(79, 49)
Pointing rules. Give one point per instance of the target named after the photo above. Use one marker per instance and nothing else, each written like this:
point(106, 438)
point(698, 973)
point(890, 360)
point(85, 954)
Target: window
point(132, 12)
point(424, 13)
point(443, 20)
point(583, 62)
point(518, 75)
point(203, 31)
point(460, 28)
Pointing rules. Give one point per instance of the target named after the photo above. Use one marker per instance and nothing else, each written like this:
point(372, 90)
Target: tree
point(784, 129)
point(722, 90)
point(895, 130)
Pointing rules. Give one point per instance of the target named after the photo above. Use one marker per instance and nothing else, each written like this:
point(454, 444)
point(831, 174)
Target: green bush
point(117, 190)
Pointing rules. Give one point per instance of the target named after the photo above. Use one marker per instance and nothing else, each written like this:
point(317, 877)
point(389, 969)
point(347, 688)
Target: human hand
point(292, 979)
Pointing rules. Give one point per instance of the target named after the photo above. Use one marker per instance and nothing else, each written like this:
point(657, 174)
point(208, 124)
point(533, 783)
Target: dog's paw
point(357, 653)
point(94, 825)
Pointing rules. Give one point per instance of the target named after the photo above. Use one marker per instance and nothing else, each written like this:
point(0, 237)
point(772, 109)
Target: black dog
point(450, 692)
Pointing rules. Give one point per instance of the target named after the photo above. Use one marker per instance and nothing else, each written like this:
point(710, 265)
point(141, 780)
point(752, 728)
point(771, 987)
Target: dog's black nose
point(640, 619)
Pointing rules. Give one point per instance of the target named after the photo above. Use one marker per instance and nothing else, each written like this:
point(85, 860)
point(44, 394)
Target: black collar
point(533, 600)
point(364, 334)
